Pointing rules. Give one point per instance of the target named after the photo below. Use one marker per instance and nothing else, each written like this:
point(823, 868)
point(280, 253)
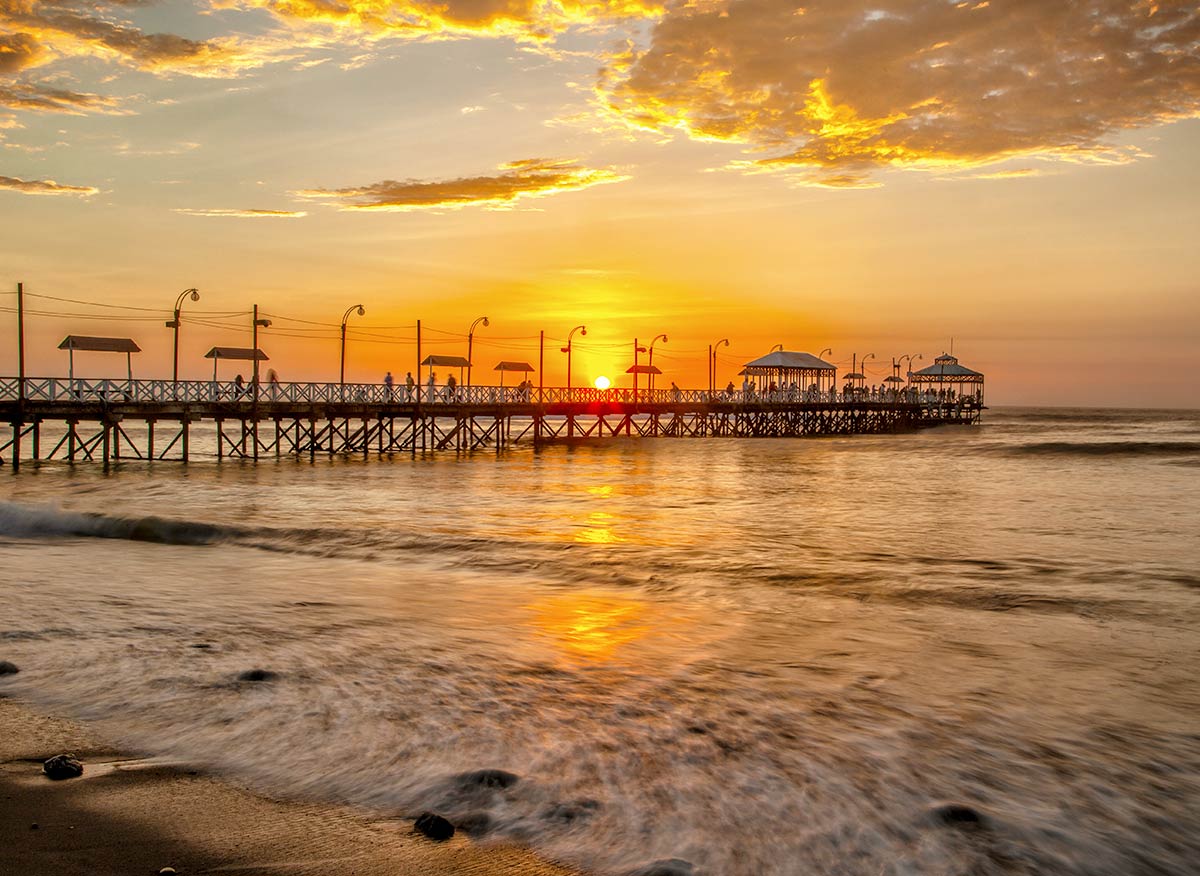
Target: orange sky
point(871, 177)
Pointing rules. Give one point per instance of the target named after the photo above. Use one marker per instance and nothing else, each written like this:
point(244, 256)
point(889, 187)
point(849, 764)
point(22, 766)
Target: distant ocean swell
point(1103, 448)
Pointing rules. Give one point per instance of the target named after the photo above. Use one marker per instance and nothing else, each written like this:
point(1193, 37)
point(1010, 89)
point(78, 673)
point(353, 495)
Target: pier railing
point(87, 391)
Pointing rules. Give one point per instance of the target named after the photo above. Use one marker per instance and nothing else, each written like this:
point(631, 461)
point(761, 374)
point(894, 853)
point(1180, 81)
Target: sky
point(1016, 178)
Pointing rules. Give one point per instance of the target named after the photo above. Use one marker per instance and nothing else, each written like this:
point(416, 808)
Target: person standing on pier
point(429, 396)
point(389, 382)
point(409, 386)
point(451, 386)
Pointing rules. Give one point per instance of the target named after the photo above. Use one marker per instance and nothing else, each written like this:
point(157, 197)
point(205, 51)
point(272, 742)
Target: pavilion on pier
point(949, 381)
point(785, 367)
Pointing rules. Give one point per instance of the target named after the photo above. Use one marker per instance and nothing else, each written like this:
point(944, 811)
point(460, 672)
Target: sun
point(603, 382)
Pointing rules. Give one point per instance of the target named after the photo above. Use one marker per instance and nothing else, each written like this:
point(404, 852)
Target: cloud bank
point(224, 212)
point(532, 177)
point(839, 88)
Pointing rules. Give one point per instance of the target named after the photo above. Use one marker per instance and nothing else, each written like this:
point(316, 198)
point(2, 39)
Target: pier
point(80, 420)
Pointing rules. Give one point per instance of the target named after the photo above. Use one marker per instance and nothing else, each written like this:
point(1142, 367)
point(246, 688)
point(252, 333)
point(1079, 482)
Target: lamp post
point(471, 344)
point(637, 348)
point(657, 338)
point(910, 357)
point(778, 348)
point(258, 323)
point(174, 324)
point(362, 311)
point(833, 379)
point(712, 363)
point(567, 349)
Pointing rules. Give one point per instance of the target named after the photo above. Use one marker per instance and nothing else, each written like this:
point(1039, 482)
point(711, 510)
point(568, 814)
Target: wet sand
point(129, 815)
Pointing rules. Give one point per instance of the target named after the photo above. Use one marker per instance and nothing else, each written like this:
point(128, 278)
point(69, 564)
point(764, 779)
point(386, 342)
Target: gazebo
point(784, 367)
point(71, 343)
point(520, 367)
point(241, 354)
point(446, 362)
point(950, 380)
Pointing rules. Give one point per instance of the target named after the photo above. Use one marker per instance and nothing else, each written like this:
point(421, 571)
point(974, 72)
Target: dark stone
point(202, 645)
point(486, 779)
point(565, 813)
point(63, 766)
point(958, 815)
point(665, 867)
point(33, 826)
point(434, 826)
point(258, 675)
point(7, 668)
point(475, 823)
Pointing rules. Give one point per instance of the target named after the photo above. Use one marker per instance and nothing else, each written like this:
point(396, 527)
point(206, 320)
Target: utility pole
point(21, 343)
point(418, 363)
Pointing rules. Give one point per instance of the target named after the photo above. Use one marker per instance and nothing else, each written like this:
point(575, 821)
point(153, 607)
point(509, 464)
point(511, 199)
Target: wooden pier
point(94, 421)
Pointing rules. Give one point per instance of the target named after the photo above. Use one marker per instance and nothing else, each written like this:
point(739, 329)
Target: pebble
point(167, 871)
point(258, 675)
point(666, 867)
point(7, 668)
point(63, 766)
point(434, 826)
point(487, 779)
point(958, 815)
point(33, 826)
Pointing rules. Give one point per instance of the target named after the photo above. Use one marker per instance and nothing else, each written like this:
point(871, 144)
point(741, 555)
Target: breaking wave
point(31, 521)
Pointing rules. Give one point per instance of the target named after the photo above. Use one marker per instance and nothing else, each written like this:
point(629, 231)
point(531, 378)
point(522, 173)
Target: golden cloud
point(45, 98)
point(532, 177)
point(44, 187)
point(843, 87)
point(520, 19)
point(241, 214)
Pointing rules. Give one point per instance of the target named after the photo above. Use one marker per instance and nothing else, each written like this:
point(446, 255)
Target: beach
point(957, 650)
point(130, 814)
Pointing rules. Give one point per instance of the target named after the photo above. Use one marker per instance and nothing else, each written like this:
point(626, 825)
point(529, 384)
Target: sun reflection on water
point(591, 626)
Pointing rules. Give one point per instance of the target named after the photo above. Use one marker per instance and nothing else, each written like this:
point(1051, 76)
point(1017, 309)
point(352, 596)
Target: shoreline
point(128, 814)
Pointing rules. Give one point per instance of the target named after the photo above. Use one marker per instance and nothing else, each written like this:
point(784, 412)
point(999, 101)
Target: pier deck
point(94, 417)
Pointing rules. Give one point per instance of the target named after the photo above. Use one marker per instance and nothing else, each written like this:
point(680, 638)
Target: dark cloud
point(838, 86)
point(533, 177)
point(45, 98)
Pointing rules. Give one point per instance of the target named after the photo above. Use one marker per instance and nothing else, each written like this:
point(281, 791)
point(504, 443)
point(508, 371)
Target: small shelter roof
point(245, 353)
point(99, 345)
point(446, 361)
point(514, 366)
point(643, 369)
point(892, 378)
point(854, 375)
point(789, 359)
point(946, 366)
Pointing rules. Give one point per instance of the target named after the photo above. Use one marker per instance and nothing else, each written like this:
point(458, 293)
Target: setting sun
point(603, 382)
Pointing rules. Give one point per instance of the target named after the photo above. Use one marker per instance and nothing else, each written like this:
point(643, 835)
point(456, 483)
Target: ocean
point(964, 650)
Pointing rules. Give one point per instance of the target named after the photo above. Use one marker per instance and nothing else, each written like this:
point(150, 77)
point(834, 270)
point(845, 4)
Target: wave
point(1104, 448)
point(32, 521)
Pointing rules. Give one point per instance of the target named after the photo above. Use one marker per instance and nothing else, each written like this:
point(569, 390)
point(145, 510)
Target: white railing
point(86, 391)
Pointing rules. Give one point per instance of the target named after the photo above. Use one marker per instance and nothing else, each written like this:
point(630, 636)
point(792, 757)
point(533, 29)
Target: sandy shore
point(128, 815)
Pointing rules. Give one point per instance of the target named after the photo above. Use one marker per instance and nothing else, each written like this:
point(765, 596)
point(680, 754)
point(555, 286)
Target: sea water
point(758, 656)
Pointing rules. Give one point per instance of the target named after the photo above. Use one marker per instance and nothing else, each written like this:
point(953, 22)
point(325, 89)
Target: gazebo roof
point(788, 359)
point(643, 369)
point(447, 361)
point(99, 345)
point(242, 353)
point(946, 366)
point(514, 366)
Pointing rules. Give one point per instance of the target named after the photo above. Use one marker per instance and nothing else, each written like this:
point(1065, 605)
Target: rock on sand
point(63, 766)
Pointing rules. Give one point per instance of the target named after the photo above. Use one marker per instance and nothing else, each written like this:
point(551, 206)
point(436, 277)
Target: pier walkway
point(108, 420)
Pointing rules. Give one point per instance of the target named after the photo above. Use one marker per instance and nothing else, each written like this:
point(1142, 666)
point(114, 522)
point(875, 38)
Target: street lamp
point(258, 323)
point(910, 357)
point(362, 311)
point(567, 349)
point(174, 324)
point(471, 342)
point(778, 348)
point(712, 363)
point(657, 338)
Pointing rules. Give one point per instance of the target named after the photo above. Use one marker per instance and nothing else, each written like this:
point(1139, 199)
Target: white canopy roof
point(946, 366)
point(788, 359)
